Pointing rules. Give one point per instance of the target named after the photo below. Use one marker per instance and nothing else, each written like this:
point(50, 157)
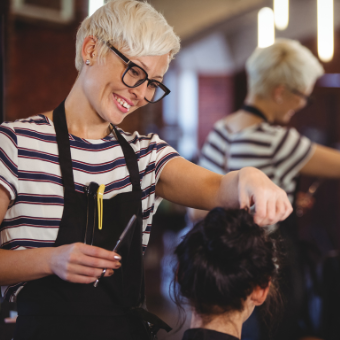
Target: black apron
point(51, 308)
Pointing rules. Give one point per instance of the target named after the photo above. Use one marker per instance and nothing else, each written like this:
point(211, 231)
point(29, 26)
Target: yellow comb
point(100, 194)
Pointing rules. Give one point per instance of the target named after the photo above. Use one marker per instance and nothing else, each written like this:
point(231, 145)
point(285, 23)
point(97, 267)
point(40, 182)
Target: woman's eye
point(153, 86)
point(135, 72)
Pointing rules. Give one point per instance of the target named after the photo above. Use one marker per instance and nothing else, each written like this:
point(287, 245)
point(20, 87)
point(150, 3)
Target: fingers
point(281, 209)
point(271, 202)
point(94, 262)
point(108, 273)
point(245, 200)
point(267, 214)
point(272, 209)
point(94, 256)
point(98, 252)
point(90, 261)
point(81, 263)
point(75, 278)
point(88, 271)
point(283, 206)
point(288, 210)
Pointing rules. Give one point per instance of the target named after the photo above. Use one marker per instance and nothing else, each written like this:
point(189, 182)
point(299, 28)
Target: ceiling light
point(266, 28)
point(94, 5)
point(281, 14)
point(325, 29)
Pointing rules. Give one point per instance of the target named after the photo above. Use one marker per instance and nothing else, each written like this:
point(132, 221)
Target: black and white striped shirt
point(30, 171)
point(280, 152)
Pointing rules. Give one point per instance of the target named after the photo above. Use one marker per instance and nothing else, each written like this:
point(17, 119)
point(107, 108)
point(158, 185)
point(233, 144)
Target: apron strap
point(65, 160)
point(130, 159)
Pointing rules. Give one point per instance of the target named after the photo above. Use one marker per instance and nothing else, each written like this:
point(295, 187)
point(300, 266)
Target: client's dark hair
point(221, 260)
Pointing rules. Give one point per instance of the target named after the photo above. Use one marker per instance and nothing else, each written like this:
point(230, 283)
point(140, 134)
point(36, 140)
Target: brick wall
point(40, 71)
point(40, 63)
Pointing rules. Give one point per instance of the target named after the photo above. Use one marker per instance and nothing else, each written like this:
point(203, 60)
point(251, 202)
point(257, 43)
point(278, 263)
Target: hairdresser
point(58, 168)
point(227, 265)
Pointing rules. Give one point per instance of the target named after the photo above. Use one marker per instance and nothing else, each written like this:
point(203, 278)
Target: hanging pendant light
point(266, 27)
point(281, 14)
point(94, 5)
point(325, 29)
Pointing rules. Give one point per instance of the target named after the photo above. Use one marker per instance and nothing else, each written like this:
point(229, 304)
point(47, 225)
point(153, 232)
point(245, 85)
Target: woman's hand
point(82, 263)
point(254, 188)
point(77, 262)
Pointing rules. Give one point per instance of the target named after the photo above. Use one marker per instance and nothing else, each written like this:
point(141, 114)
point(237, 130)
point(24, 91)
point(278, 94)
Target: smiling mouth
point(122, 102)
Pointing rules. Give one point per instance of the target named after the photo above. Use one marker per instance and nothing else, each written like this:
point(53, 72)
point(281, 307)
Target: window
point(60, 11)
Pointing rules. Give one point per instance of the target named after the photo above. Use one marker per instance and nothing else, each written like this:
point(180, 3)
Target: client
point(226, 267)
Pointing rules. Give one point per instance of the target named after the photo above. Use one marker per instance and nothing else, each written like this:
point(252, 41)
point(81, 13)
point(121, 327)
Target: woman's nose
point(140, 91)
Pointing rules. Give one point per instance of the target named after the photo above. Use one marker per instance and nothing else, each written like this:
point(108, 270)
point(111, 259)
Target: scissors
point(117, 246)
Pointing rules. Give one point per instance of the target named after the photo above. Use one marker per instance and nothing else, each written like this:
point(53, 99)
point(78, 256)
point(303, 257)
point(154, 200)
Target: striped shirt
point(30, 171)
point(280, 152)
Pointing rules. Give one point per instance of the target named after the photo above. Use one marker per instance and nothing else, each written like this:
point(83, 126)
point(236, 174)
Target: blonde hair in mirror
point(133, 27)
point(287, 63)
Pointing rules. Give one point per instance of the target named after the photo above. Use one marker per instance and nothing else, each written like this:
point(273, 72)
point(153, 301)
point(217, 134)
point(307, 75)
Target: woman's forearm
point(76, 262)
point(24, 265)
point(190, 185)
point(224, 195)
point(228, 193)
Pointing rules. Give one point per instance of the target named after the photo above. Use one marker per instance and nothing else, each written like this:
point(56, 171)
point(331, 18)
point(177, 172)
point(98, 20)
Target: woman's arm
point(325, 162)
point(185, 183)
point(76, 262)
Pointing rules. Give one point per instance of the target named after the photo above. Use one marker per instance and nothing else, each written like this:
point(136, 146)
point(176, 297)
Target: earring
point(87, 62)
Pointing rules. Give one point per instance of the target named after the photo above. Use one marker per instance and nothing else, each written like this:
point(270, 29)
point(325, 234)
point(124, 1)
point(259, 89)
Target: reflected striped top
point(30, 171)
point(278, 151)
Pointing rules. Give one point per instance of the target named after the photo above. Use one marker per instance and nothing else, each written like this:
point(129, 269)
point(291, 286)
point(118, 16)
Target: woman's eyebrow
point(144, 66)
point(147, 69)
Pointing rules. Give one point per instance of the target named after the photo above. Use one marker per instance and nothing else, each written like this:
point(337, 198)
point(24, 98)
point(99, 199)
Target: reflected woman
point(280, 78)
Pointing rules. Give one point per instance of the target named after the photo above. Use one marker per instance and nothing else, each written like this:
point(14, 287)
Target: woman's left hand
point(185, 183)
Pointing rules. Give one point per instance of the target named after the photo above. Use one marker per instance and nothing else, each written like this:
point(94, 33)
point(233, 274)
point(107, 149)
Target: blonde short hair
point(287, 63)
point(134, 27)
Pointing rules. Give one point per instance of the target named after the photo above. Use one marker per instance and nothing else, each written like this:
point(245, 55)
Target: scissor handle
point(97, 281)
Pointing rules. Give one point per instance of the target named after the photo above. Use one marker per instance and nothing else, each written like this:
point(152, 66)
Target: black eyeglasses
point(308, 99)
point(135, 76)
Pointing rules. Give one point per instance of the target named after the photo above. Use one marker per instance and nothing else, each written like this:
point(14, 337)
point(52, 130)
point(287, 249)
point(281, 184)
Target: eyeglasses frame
point(308, 99)
point(131, 64)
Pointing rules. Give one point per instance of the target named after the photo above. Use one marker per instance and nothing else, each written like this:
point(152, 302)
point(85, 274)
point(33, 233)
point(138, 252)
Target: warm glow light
point(325, 29)
point(281, 13)
point(266, 28)
point(94, 5)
